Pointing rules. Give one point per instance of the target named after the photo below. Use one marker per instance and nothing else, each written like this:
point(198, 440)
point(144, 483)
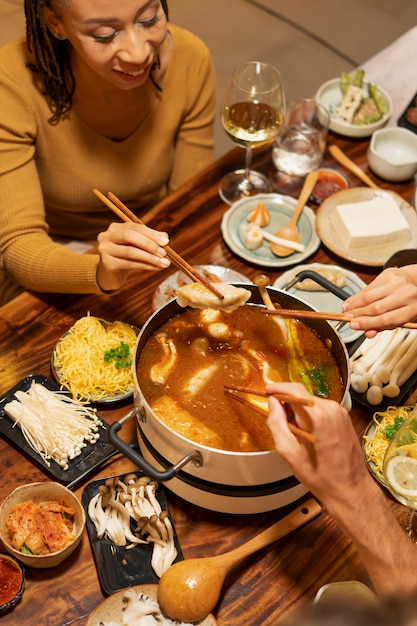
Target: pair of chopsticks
point(318, 315)
point(233, 392)
point(125, 214)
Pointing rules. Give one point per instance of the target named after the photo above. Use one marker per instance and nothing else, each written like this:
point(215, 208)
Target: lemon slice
point(401, 475)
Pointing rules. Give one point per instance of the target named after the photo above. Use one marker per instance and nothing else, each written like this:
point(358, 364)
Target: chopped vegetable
point(356, 107)
point(120, 356)
point(376, 96)
point(391, 429)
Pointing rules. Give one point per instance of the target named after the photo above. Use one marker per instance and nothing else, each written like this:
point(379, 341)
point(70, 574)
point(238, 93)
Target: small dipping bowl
point(12, 582)
point(329, 181)
point(42, 492)
point(392, 154)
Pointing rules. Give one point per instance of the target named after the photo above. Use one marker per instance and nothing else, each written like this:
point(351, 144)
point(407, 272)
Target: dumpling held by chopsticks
point(198, 296)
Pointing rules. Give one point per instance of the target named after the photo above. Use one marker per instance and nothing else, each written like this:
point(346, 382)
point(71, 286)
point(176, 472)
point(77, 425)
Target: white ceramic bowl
point(40, 492)
point(392, 153)
point(330, 95)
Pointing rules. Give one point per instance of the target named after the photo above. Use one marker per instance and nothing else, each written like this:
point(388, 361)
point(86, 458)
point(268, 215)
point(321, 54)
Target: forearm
point(384, 548)
point(44, 266)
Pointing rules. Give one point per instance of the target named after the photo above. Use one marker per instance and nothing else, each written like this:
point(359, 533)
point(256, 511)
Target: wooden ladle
point(189, 590)
point(344, 160)
point(290, 230)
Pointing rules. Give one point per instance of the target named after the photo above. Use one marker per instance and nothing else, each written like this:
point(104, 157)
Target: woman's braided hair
point(52, 58)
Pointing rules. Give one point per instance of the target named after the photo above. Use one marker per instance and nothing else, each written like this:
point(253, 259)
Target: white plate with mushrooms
point(136, 605)
point(140, 542)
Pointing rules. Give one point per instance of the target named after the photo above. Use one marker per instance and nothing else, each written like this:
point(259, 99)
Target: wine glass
point(252, 115)
point(400, 470)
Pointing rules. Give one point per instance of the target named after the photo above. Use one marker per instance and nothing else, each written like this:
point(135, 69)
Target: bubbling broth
point(185, 365)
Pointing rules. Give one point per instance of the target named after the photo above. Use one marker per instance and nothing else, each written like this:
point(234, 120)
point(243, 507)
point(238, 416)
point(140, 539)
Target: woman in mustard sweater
point(99, 94)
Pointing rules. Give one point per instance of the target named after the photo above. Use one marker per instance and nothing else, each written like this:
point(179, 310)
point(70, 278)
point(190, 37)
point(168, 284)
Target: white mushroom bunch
point(128, 513)
point(381, 365)
point(139, 609)
point(54, 425)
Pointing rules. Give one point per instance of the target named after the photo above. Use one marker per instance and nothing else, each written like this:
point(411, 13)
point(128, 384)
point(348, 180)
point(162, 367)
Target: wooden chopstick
point(125, 214)
point(282, 397)
point(318, 315)
point(294, 429)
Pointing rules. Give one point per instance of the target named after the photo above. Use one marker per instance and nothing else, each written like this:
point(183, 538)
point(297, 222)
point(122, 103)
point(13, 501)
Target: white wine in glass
point(400, 469)
point(252, 115)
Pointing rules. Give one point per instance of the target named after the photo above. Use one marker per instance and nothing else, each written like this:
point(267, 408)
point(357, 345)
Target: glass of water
point(300, 146)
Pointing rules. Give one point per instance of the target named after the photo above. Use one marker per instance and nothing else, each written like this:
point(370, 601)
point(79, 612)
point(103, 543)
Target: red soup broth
point(212, 349)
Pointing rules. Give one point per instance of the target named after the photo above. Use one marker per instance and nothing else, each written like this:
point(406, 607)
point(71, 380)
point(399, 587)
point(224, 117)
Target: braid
point(165, 7)
point(51, 60)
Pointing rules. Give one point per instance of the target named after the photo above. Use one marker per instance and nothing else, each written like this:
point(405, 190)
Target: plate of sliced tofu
point(366, 226)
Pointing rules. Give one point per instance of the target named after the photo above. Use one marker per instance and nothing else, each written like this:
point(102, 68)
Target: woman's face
point(119, 41)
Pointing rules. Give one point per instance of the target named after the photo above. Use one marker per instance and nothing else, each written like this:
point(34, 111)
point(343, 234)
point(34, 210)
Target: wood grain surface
point(266, 585)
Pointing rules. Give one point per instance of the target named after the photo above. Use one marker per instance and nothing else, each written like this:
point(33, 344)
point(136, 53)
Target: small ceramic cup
point(392, 154)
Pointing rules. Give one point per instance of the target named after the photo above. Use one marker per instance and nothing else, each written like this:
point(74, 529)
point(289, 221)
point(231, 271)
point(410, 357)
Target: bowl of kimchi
point(41, 523)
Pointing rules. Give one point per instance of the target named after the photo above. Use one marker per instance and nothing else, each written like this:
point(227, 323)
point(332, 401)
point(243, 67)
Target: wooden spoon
point(189, 590)
point(344, 160)
point(290, 231)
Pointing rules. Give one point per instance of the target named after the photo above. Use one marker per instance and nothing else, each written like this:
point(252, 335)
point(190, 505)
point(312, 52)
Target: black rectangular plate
point(402, 120)
point(117, 566)
point(91, 457)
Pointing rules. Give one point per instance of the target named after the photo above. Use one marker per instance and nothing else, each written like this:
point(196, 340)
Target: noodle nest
point(79, 360)
point(375, 442)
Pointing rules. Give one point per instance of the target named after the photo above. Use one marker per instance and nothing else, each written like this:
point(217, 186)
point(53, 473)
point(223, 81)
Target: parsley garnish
point(120, 356)
point(391, 430)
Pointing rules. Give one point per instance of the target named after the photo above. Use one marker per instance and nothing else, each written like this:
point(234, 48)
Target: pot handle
point(318, 278)
point(138, 460)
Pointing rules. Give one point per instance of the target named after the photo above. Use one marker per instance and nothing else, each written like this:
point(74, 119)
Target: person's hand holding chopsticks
point(332, 465)
point(127, 247)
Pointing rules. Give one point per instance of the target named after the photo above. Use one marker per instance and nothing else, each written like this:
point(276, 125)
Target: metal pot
point(231, 482)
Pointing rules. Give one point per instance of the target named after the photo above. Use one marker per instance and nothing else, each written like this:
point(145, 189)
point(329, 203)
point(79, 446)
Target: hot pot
point(219, 480)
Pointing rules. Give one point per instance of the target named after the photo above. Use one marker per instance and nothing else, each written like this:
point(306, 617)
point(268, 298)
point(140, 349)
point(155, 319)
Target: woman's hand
point(333, 467)
point(387, 302)
point(126, 248)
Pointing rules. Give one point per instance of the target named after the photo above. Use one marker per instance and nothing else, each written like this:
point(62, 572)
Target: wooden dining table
point(270, 583)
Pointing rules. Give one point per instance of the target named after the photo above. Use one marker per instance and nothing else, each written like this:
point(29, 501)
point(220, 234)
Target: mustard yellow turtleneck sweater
point(47, 172)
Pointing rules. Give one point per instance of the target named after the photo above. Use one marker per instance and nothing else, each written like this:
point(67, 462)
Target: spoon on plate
point(344, 160)
point(189, 590)
point(290, 230)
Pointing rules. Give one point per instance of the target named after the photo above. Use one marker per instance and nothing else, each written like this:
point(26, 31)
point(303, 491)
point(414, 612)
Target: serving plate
point(329, 95)
point(91, 457)
point(324, 300)
point(110, 610)
point(108, 399)
point(117, 566)
point(281, 208)
point(215, 273)
point(371, 431)
point(369, 256)
point(403, 121)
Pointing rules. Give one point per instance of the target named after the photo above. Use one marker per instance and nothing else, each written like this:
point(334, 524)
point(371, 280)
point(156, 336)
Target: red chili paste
point(10, 580)
point(327, 184)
